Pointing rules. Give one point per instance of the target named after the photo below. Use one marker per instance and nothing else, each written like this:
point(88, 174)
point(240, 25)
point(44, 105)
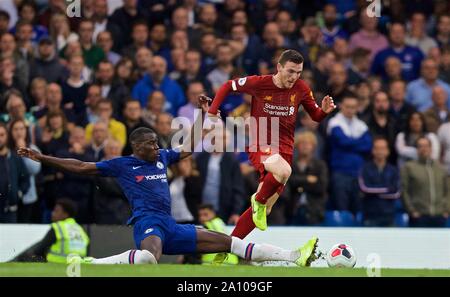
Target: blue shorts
point(176, 238)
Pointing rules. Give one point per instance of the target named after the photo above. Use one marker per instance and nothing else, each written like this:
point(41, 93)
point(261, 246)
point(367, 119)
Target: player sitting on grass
point(143, 178)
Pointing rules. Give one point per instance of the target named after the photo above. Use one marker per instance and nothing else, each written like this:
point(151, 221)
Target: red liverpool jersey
point(271, 103)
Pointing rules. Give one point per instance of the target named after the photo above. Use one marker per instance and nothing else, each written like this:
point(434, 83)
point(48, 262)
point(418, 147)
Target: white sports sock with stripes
point(128, 257)
point(261, 252)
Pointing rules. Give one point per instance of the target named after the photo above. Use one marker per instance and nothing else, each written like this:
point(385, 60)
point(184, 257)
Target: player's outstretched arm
point(71, 165)
point(202, 103)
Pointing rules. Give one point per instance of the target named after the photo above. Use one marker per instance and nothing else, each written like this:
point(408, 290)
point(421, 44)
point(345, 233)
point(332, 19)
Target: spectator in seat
point(426, 194)
point(117, 130)
point(193, 71)
point(92, 53)
point(444, 138)
point(53, 103)
point(185, 190)
point(379, 182)
point(77, 187)
point(195, 89)
point(381, 123)
point(9, 80)
point(124, 72)
point(157, 79)
point(337, 83)
point(399, 108)
point(405, 142)
point(14, 180)
point(47, 64)
point(368, 36)
point(306, 189)
point(100, 135)
point(222, 182)
point(418, 36)
point(419, 92)
point(132, 118)
point(60, 31)
point(349, 141)
point(143, 60)
point(110, 204)
point(439, 113)
point(19, 136)
point(360, 66)
point(163, 129)
point(106, 42)
point(103, 24)
point(155, 106)
point(8, 49)
point(410, 57)
point(111, 88)
point(125, 17)
point(139, 35)
point(75, 87)
point(224, 67)
point(331, 29)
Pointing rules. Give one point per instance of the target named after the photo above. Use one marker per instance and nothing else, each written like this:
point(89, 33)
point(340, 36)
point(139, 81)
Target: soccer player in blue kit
point(143, 178)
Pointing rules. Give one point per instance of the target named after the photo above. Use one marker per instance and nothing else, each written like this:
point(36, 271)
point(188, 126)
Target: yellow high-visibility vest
point(70, 239)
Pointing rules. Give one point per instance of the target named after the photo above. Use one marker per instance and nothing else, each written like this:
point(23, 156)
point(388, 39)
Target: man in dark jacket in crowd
point(380, 183)
point(307, 186)
point(110, 204)
point(14, 179)
point(222, 181)
point(47, 64)
point(74, 186)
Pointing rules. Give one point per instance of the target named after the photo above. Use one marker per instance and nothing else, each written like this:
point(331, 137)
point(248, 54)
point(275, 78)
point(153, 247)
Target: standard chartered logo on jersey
point(232, 134)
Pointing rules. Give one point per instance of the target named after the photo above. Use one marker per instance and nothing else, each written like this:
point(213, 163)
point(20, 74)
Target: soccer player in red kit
point(279, 95)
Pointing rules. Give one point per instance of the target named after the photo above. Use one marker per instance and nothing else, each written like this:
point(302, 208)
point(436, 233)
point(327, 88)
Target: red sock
point(269, 187)
point(244, 225)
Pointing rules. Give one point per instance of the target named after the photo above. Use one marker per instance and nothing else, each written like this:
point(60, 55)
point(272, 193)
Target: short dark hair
point(290, 55)
point(206, 206)
point(4, 14)
point(139, 134)
point(3, 126)
point(130, 100)
point(68, 206)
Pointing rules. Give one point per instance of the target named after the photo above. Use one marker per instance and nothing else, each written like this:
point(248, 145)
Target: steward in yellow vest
point(64, 238)
point(208, 218)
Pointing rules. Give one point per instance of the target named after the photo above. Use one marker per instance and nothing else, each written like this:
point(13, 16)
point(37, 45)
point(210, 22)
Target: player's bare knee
point(283, 173)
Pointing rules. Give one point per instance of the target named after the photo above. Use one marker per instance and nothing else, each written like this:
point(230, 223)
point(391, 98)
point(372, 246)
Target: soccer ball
point(341, 255)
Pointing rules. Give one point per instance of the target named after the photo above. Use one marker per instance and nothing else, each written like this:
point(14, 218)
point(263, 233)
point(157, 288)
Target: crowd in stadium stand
point(76, 87)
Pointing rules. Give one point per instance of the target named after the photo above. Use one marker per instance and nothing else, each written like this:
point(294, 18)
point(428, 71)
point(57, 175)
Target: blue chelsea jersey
point(144, 183)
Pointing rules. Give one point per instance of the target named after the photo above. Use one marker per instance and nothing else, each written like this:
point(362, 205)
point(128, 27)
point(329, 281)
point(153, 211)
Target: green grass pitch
point(174, 270)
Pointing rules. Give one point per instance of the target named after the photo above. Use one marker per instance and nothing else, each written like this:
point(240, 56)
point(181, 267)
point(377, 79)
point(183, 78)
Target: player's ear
point(279, 67)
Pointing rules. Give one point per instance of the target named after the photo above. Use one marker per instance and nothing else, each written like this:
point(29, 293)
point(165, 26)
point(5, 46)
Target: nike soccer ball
point(341, 255)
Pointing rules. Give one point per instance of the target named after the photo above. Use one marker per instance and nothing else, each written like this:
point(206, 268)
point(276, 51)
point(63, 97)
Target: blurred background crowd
point(76, 87)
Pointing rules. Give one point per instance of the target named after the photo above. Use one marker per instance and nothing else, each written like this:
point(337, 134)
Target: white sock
point(261, 252)
point(129, 257)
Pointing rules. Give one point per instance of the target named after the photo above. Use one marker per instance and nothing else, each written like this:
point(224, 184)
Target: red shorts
point(257, 159)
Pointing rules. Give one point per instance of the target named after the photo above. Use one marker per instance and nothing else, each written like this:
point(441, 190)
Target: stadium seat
point(399, 206)
point(337, 218)
point(401, 220)
point(359, 218)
